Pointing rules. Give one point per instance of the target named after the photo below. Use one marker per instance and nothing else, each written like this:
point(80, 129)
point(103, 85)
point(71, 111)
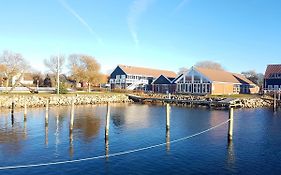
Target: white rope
point(114, 154)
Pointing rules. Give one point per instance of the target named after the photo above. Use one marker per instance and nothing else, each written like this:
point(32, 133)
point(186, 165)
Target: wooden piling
point(167, 116)
point(274, 101)
point(230, 124)
point(25, 111)
point(12, 113)
point(72, 116)
point(107, 122)
point(13, 108)
point(47, 112)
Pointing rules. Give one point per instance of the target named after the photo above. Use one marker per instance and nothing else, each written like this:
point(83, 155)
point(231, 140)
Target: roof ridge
point(129, 66)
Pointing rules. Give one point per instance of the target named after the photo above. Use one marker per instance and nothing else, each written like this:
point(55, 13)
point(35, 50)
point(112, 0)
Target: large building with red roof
point(136, 78)
point(216, 82)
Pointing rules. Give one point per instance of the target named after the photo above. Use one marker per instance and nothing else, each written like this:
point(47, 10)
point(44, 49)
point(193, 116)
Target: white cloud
point(137, 8)
point(80, 19)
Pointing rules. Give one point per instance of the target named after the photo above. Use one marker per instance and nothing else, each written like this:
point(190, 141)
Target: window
point(270, 87)
point(118, 77)
point(123, 76)
point(276, 87)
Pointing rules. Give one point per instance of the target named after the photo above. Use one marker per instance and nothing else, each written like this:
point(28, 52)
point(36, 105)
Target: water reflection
point(167, 140)
point(131, 115)
point(11, 137)
point(230, 154)
point(88, 125)
point(71, 150)
point(46, 135)
point(57, 133)
point(25, 129)
point(12, 119)
point(106, 148)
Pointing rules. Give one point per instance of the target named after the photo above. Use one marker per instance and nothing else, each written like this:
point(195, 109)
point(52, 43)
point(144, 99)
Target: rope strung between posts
point(114, 154)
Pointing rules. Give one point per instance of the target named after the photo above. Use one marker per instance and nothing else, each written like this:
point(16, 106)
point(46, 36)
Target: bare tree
point(55, 65)
point(2, 74)
point(52, 63)
point(209, 65)
point(182, 70)
point(255, 77)
point(13, 64)
point(85, 68)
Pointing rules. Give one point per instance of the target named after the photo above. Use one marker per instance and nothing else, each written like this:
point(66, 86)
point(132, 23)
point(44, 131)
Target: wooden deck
point(226, 103)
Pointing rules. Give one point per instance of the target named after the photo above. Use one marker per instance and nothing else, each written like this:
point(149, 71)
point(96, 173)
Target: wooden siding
point(222, 88)
point(164, 88)
point(161, 80)
point(117, 71)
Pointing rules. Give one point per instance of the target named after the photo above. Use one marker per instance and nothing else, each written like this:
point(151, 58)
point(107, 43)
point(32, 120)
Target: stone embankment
point(63, 100)
point(254, 102)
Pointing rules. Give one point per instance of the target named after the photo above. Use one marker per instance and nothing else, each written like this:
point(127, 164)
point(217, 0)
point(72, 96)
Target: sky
point(164, 34)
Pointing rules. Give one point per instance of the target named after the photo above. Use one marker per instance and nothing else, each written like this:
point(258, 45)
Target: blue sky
point(164, 34)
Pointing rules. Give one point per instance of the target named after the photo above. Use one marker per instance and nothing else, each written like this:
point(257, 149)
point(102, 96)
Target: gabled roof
point(223, 76)
point(242, 79)
point(147, 71)
point(217, 75)
point(271, 69)
point(163, 80)
point(177, 78)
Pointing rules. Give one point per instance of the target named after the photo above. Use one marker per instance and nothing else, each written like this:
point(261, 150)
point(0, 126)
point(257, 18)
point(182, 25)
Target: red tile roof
point(271, 69)
point(147, 71)
point(223, 76)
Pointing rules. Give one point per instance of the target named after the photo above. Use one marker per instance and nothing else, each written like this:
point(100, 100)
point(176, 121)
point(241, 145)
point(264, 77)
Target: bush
point(62, 89)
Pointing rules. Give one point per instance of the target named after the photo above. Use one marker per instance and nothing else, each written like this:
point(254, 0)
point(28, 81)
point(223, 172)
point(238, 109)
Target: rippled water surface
point(256, 146)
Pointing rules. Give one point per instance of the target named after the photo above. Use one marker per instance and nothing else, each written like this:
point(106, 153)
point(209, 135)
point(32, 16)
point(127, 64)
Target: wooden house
point(164, 84)
point(216, 82)
point(136, 78)
point(272, 77)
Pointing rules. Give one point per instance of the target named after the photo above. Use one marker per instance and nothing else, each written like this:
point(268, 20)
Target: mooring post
point(13, 107)
point(230, 125)
point(47, 112)
point(274, 101)
point(167, 116)
point(72, 116)
point(12, 112)
point(107, 121)
point(25, 111)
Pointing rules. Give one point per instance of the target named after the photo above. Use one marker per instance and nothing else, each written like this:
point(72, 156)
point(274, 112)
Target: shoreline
point(35, 100)
point(60, 100)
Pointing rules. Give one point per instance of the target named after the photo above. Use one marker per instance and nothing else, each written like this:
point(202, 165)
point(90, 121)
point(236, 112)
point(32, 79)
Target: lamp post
point(58, 76)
